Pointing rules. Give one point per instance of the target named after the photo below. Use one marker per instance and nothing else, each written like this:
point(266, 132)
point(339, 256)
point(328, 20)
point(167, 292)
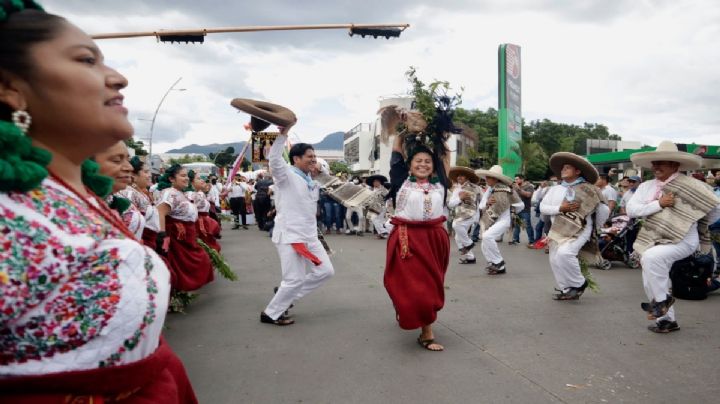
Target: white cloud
point(646, 69)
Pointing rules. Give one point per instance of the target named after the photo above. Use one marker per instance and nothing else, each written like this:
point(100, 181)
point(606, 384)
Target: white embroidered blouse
point(144, 205)
point(75, 292)
point(181, 208)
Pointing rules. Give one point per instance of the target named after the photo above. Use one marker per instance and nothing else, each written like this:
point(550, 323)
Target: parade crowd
point(95, 252)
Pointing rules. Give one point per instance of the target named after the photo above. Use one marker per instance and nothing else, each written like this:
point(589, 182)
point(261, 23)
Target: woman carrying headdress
point(82, 301)
point(177, 238)
point(418, 248)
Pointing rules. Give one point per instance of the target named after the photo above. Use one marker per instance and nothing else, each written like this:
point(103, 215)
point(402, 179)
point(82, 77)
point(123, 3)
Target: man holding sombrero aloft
point(464, 201)
point(296, 196)
point(677, 211)
point(575, 206)
point(495, 205)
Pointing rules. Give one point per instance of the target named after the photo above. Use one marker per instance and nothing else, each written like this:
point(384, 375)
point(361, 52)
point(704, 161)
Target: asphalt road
point(506, 340)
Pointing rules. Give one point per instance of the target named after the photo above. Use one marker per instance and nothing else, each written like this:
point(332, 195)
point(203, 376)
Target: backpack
point(690, 276)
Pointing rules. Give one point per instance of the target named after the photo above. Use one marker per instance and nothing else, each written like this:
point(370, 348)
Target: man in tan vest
point(677, 211)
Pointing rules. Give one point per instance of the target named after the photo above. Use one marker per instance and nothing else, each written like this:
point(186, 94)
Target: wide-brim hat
point(467, 172)
point(375, 177)
point(496, 172)
point(264, 113)
point(587, 170)
point(667, 151)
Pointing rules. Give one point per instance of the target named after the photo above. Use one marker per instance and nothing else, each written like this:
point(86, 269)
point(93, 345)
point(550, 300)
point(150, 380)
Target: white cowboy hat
point(495, 172)
point(587, 170)
point(667, 151)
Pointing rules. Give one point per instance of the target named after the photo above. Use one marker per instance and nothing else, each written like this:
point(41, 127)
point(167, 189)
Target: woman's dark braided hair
point(23, 24)
point(164, 180)
point(136, 164)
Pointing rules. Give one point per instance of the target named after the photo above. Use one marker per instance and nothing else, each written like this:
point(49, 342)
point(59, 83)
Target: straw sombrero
point(264, 113)
point(467, 172)
point(667, 151)
point(371, 179)
point(495, 172)
point(587, 170)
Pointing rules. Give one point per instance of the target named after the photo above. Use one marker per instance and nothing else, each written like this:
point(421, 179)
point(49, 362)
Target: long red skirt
point(159, 378)
point(190, 264)
point(418, 254)
point(208, 230)
point(149, 238)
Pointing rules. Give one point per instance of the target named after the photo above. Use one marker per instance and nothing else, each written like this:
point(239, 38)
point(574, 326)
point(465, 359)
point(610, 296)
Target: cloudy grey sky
point(648, 69)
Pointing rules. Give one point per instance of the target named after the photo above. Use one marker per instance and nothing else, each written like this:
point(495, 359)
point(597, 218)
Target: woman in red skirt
point(418, 247)
point(208, 228)
point(177, 238)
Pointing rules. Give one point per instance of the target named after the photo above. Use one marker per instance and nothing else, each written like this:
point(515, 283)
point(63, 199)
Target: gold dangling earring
point(22, 120)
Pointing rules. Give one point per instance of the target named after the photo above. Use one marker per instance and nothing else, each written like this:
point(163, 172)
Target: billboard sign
point(509, 109)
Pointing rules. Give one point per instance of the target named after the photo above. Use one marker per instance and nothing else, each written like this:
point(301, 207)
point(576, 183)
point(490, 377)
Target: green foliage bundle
point(218, 262)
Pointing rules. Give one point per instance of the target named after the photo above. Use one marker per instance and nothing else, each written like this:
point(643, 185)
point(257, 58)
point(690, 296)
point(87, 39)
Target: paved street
point(506, 340)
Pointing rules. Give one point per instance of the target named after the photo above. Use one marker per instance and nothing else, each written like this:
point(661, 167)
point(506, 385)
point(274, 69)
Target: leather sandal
point(425, 343)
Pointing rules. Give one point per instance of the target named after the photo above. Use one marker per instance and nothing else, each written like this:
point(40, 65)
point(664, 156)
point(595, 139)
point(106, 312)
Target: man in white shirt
point(672, 205)
point(610, 194)
point(295, 233)
point(237, 201)
point(574, 206)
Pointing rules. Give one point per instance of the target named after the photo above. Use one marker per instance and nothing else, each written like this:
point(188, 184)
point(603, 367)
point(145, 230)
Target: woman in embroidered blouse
point(207, 227)
point(115, 163)
point(139, 196)
point(82, 303)
point(177, 238)
point(418, 248)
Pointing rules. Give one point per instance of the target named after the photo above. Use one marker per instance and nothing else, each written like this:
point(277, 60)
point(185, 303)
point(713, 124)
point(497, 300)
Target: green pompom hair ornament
point(8, 7)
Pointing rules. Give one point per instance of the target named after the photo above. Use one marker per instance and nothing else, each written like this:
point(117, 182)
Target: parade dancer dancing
point(677, 211)
point(464, 200)
point(377, 182)
point(495, 205)
point(575, 206)
point(418, 248)
point(305, 263)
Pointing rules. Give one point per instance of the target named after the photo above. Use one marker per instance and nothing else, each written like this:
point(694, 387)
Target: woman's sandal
point(425, 343)
point(281, 321)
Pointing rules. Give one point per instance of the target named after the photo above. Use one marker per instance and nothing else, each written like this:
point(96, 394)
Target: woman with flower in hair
point(82, 301)
point(137, 193)
point(418, 248)
point(177, 238)
point(115, 163)
point(208, 229)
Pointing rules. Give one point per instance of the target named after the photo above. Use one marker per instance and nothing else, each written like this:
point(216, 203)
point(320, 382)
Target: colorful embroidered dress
point(208, 228)
point(75, 292)
point(190, 264)
point(418, 250)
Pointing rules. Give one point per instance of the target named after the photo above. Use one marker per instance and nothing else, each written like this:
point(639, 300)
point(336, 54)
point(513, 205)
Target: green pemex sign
point(509, 111)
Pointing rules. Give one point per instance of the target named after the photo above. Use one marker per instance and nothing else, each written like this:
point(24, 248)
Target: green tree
point(224, 158)
point(339, 167)
point(138, 146)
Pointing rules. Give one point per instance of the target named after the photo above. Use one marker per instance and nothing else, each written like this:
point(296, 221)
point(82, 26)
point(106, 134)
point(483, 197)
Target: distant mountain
point(333, 141)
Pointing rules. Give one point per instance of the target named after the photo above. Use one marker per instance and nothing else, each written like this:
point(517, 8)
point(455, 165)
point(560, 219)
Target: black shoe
point(664, 326)
point(235, 227)
point(656, 310)
point(467, 260)
point(496, 269)
point(571, 293)
point(245, 227)
point(281, 321)
point(513, 242)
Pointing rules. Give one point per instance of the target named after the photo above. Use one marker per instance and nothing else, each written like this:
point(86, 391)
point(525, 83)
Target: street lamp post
point(152, 123)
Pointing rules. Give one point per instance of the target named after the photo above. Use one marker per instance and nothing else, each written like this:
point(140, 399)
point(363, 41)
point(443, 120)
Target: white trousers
point(361, 219)
point(299, 276)
point(461, 228)
point(379, 223)
point(489, 237)
point(656, 263)
point(564, 261)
